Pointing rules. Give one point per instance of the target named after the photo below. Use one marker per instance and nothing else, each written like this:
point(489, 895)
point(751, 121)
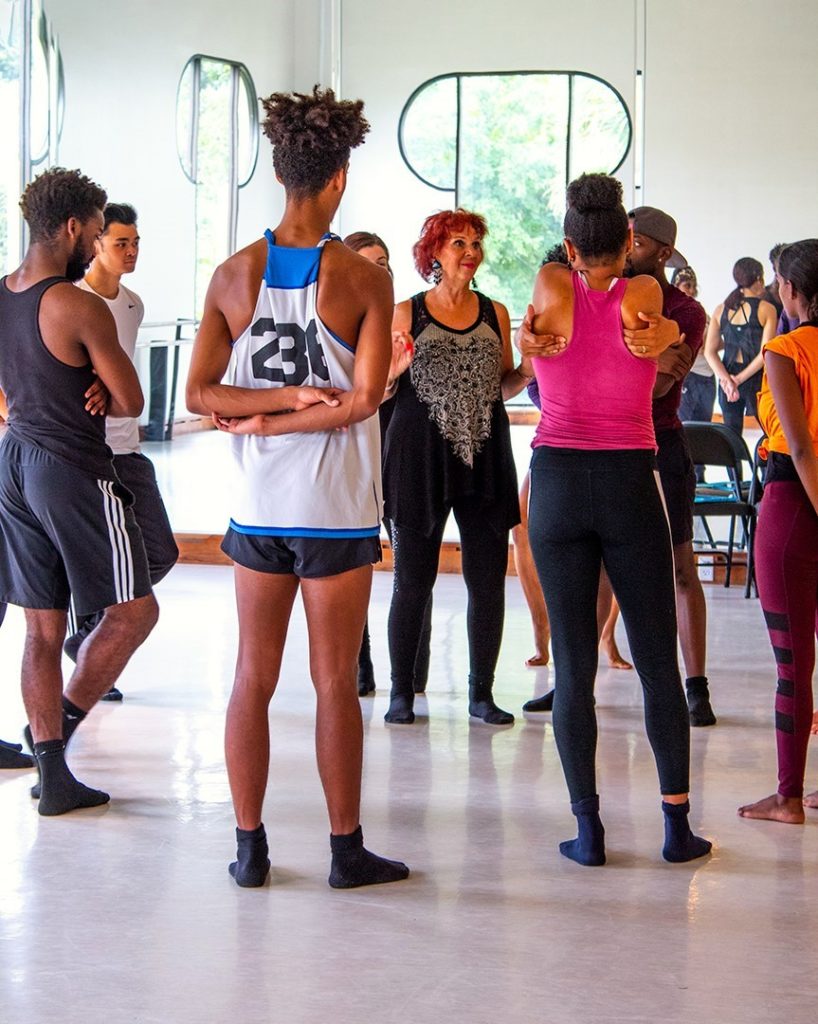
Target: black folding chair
point(713, 444)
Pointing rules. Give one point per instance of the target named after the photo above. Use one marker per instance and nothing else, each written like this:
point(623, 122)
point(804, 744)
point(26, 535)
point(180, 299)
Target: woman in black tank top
point(738, 329)
point(448, 449)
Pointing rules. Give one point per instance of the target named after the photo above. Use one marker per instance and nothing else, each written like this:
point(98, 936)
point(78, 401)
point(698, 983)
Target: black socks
point(61, 792)
point(252, 865)
point(481, 705)
point(71, 718)
point(11, 756)
point(589, 846)
point(544, 703)
point(400, 709)
point(353, 866)
point(680, 843)
point(698, 701)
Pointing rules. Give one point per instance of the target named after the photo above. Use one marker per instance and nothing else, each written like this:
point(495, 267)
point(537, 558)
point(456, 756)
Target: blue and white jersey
point(321, 484)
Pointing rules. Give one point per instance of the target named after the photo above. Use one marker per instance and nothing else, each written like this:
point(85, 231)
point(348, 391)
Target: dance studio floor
point(127, 915)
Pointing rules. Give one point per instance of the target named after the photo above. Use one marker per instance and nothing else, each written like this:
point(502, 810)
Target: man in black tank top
point(67, 531)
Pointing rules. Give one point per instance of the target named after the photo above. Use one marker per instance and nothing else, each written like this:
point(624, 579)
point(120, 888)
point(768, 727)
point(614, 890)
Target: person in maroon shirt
point(654, 241)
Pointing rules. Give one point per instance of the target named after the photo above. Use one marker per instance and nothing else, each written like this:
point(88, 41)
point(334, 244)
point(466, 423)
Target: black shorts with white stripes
point(65, 535)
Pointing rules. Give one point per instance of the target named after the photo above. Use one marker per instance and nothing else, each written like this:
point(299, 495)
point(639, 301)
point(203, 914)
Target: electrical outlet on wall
point(705, 570)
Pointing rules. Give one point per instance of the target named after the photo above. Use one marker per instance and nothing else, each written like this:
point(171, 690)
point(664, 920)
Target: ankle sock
point(481, 705)
point(589, 846)
point(698, 701)
point(61, 792)
point(544, 703)
point(71, 718)
point(353, 866)
point(252, 865)
point(400, 709)
point(12, 756)
point(680, 843)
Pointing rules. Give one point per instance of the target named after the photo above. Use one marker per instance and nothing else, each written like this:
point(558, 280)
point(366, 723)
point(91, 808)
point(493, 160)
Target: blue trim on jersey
point(290, 268)
point(340, 341)
point(305, 531)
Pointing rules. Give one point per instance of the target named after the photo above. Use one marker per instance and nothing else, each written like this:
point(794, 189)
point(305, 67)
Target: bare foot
point(814, 729)
point(811, 800)
point(787, 809)
point(537, 660)
point(611, 651)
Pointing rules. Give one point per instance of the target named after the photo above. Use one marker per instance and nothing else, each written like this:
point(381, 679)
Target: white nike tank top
point(322, 484)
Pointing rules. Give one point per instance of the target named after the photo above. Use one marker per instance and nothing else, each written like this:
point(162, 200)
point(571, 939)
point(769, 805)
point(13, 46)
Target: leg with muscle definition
point(336, 611)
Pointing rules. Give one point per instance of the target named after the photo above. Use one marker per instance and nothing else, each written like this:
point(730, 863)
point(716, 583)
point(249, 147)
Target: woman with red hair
point(448, 449)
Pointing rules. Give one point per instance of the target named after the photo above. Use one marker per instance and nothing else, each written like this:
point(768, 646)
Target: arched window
point(506, 144)
point(32, 91)
point(217, 131)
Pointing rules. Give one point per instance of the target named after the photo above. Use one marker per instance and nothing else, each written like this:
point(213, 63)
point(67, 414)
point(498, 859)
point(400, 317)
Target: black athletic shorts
point(135, 471)
point(65, 535)
point(678, 483)
point(305, 557)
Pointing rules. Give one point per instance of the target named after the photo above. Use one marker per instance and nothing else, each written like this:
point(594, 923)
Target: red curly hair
point(437, 228)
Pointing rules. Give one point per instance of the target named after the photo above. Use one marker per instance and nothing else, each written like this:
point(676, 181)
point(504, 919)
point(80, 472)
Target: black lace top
point(449, 435)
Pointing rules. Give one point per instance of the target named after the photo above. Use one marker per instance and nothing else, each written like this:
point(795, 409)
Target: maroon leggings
point(787, 570)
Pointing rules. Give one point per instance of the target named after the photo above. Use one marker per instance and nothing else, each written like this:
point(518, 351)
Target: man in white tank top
point(115, 254)
point(303, 325)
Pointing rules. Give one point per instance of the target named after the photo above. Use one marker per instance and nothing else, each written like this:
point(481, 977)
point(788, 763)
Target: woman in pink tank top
point(595, 500)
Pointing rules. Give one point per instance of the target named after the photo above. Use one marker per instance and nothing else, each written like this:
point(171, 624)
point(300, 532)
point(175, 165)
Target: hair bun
point(594, 192)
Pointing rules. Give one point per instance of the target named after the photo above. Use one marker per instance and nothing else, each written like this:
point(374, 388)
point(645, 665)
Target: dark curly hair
point(596, 221)
point(556, 254)
point(119, 213)
point(798, 264)
point(312, 135)
point(436, 229)
point(57, 195)
point(746, 272)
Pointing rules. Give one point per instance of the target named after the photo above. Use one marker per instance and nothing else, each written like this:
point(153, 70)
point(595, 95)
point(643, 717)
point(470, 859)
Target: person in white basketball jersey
point(302, 326)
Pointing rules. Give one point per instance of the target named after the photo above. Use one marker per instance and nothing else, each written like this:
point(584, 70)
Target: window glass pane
point(10, 11)
point(248, 130)
point(216, 105)
point(39, 85)
point(429, 133)
point(512, 171)
point(184, 119)
point(213, 173)
point(600, 127)
point(507, 139)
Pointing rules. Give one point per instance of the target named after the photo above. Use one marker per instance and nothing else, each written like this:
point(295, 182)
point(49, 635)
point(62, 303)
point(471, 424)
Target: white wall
point(732, 128)
point(123, 60)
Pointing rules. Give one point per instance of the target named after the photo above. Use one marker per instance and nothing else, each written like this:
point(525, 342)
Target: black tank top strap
point(420, 315)
point(488, 314)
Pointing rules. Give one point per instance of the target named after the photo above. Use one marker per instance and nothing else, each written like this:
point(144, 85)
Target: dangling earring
point(437, 271)
point(474, 283)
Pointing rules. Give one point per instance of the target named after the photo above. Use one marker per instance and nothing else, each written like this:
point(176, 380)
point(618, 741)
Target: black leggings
point(588, 508)
point(485, 560)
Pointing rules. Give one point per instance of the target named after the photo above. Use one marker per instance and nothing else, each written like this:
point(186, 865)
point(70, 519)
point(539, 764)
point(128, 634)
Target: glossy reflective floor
point(127, 915)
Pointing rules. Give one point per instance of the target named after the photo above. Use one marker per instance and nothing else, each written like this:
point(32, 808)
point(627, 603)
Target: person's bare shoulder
point(71, 304)
point(249, 261)
point(554, 275)
point(644, 292)
point(353, 272)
